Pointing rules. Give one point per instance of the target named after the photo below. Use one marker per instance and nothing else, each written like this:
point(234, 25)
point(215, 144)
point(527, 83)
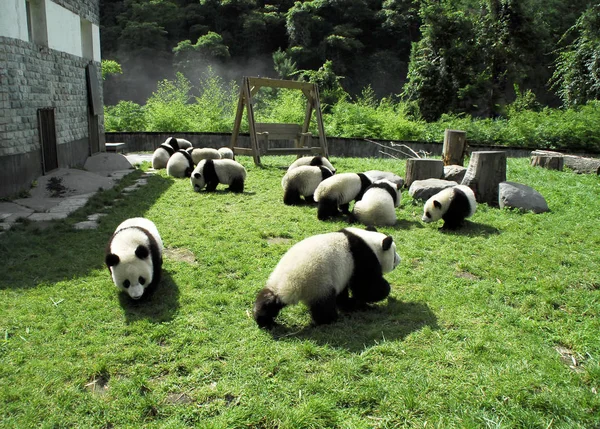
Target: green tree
point(577, 74)
point(110, 67)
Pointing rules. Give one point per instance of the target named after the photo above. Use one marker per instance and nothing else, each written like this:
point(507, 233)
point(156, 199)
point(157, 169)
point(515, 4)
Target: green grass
point(482, 328)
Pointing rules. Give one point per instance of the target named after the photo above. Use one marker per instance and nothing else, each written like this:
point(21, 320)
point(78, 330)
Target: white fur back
point(142, 222)
point(226, 153)
point(342, 187)
point(160, 157)
point(304, 178)
point(311, 267)
point(227, 170)
point(376, 208)
point(177, 165)
point(306, 160)
point(198, 154)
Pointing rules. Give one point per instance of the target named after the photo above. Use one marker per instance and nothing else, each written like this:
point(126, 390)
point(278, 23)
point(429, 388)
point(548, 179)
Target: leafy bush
point(126, 116)
point(214, 107)
point(168, 109)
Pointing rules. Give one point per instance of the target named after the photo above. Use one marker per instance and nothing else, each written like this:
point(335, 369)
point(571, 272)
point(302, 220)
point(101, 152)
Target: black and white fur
point(338, 191)
point(180, 164)
point(198, 154)
point(314, 161)
point(161, 155)
point(378, 205)
point(134, 256)
point(211, 172)
point(226, 153)
point(322, 270)
point(453, 205)
point(183, 143)
point(302, 182)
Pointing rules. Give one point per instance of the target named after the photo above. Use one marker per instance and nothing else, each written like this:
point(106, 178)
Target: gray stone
point(16, 217)
point(86, 224)
point(41, 217)
point(107, 162)
point(456, 173)
point(517, 196)
point(387, 175)
point(424, 189)
point(10, 208)
point(70, 182)
point(96, 216)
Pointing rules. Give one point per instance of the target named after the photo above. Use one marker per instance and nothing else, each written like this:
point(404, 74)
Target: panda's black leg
point(309, 199)
point(327, 208)
point(237, 185)
point(324, 311)
point(211, 186)
point(345, 208)
point(291, 197)
point(371, 291)
point(266, 308)
point(344, 302)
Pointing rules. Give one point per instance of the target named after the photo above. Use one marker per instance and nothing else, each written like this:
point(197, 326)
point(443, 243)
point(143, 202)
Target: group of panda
point(337, 270)
point(206, 167)
point(376, 195)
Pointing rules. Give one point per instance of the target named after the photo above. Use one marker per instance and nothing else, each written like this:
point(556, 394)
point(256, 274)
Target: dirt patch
point(466, 275)
point(278, 240)
point(99, 385)
point(178, 398)
point(570, 358)
point(181, 255)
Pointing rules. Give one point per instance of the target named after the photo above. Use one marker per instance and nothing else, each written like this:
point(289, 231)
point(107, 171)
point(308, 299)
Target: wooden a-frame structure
point(263, 131)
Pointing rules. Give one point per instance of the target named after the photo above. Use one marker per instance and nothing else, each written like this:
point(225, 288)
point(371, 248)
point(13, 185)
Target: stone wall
point(34, 77)
point(87, 9)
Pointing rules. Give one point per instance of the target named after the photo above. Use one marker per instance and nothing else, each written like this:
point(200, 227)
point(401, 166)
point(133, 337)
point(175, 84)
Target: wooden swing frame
point(261, 132)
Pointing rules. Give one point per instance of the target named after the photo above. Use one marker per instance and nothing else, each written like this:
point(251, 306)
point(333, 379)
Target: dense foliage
point(178, 105)
point(447, 56)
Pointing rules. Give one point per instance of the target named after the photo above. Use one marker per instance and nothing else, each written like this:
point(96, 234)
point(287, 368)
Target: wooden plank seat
point(266, 132)
point(115, 147)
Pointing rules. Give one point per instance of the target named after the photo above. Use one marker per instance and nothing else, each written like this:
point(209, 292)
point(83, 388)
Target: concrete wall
point(34, 76)
point(341, 147)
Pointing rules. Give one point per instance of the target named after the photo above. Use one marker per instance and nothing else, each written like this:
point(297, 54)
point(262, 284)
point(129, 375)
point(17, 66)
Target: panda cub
point(338, 191)
point(226, 153)
point(180, 164)
point(314, 161)
point(211, 172)
point(161, 155)
point(452, 205)
point(321, 270)
point(302, 182)
point(378, 205)
point(134, 256)
point(198, 154)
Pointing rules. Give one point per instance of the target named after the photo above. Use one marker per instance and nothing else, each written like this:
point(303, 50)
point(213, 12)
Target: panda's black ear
point(387, 242)
point(112, 260)
point(197, 175)
point(437, 204)
point(142, 252)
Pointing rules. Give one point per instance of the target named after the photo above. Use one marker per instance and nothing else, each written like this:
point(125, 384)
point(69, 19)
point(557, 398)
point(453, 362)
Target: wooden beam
point(279, 83)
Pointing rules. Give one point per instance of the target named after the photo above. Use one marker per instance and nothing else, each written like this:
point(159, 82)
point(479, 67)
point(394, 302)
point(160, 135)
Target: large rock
point(379, 175)
point(456, 173)
point(517, 196)
point(106, 161)
point(424, 189)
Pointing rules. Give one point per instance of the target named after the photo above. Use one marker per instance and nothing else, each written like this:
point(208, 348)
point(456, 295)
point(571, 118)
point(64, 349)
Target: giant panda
point(134, 256)
point(312, 160)
point(339, 190)
point(378, 205)
point(183, 143)
point(321, 270)
point(211, 172)
point(226, 153)
point(161, 155)
point(180, 164)
point(198, 154)
point(452, 204)
point(302, 182)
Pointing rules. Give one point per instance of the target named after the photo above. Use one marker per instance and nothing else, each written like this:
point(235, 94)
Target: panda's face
point(197, 180)
point(433, 211)
point(131, 273)
point(388, 257)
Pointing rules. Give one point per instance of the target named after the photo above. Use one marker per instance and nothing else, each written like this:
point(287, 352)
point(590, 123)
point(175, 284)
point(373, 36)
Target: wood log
point(578, 164)
point(420, 169)
point(486, 170)
point(453, 151)
point(550, 162)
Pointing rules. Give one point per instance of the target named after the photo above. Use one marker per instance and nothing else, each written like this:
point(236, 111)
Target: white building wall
point(64, 29)
point(96, 42)
point(13, 19)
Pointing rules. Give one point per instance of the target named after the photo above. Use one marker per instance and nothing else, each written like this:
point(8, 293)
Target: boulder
point(518, 196)
point(424, 189)
point(456, 173)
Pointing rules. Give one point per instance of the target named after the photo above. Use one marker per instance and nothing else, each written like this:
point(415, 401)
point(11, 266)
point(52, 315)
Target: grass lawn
point(495, 325)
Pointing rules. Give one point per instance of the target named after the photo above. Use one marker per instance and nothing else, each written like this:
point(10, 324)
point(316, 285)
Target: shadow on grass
point(472, 229)
point(354, 331)
point(32, 256)
point(160, 304)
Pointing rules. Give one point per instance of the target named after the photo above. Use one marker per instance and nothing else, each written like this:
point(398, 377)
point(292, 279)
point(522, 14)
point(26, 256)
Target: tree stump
point(578, 164)
point(550, 162)
point(486, 170)
point(453, 151)
point(420, 169)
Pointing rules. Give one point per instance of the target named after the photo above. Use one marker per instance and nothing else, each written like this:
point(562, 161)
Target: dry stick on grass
point(409, 155)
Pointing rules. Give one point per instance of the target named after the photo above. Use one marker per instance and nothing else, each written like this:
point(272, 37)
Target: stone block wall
point(87, 9)
point(34, 77)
